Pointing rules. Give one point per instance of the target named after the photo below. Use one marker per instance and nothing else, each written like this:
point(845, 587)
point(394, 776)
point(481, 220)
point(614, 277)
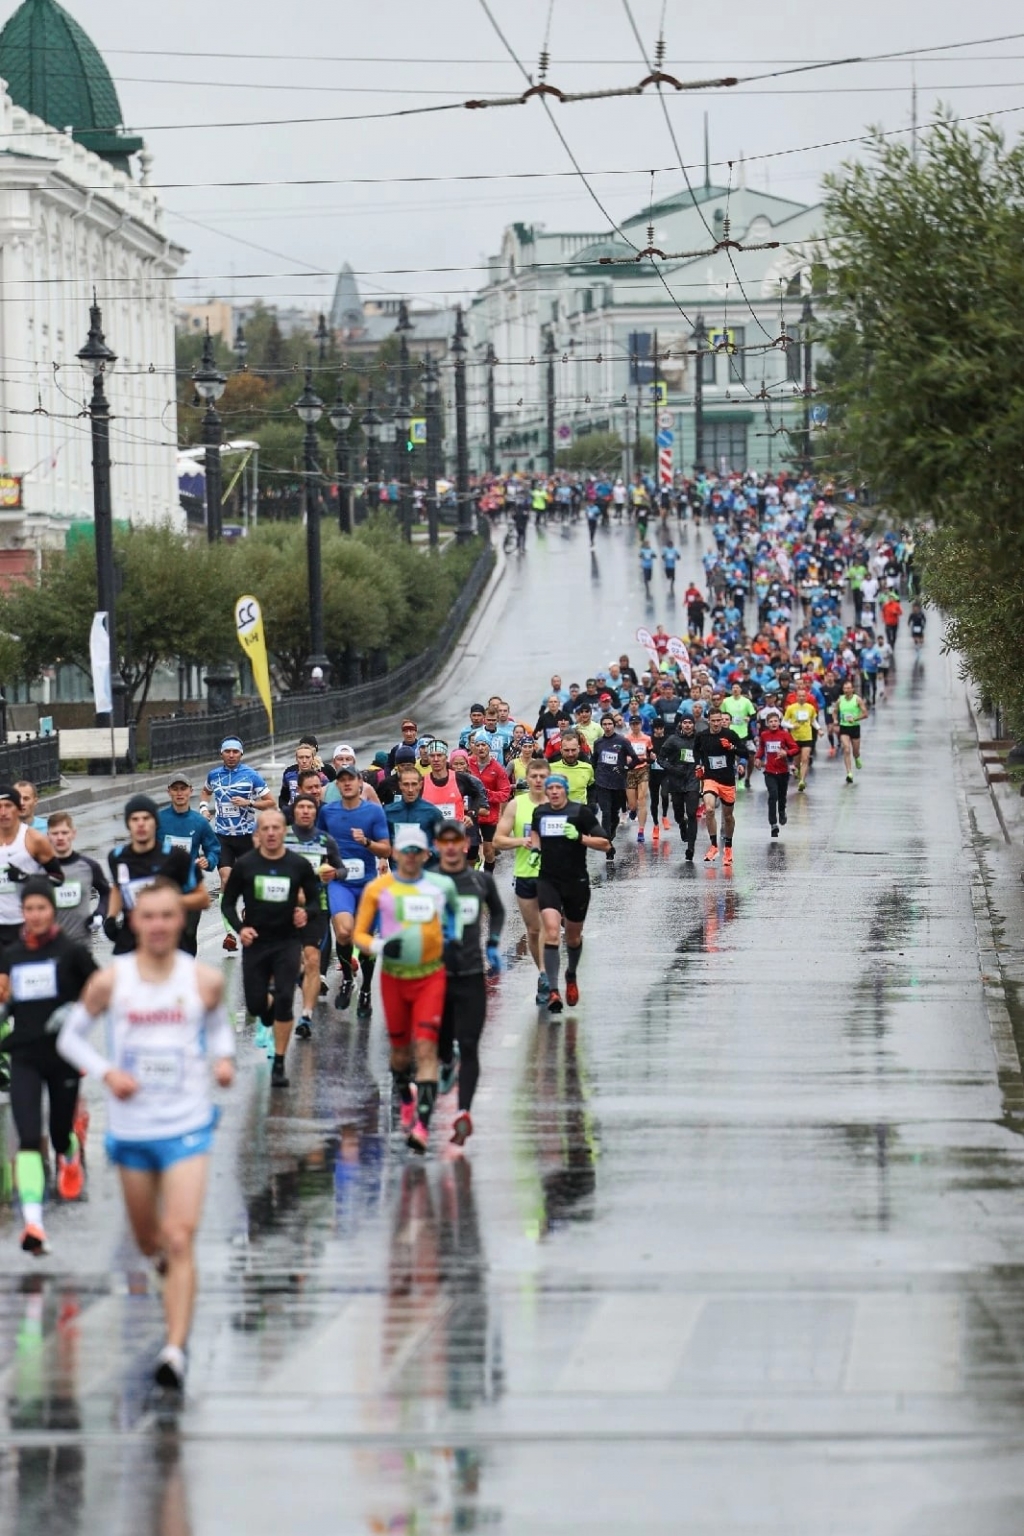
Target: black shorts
point(487, 831)
point(315, 931)
point(853, 731)
point(526, 888)
point(266, 960)
point(232, 849)
point(570, 897)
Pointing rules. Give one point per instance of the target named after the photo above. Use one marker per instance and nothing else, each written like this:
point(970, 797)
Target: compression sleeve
point(366, 917)
point(495, 907)
point(73, 1045)
point(229, 901)
point(220, 1037)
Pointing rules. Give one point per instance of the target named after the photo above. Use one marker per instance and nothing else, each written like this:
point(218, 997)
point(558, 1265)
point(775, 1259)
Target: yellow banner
point(249, 626)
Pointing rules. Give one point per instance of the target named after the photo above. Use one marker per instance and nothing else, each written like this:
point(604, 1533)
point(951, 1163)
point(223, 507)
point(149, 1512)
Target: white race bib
point(35, 982)
point(553, 826)
point(469, 906)
point(272, 887)
point(418, 909)
point(68, 895)
point(447, 811)
point(156, 1071)
point(355, 869)
point(610, 758)
point(716, 762)
point(179, 842)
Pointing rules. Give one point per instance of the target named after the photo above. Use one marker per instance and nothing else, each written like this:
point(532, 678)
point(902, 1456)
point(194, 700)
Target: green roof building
point(54, 70)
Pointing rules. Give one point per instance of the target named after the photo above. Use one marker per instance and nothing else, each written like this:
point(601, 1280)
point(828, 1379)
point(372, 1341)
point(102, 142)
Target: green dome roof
point(55, 71)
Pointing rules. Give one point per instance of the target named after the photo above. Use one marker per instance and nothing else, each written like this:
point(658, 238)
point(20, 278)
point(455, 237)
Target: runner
point(23, 852)
point(851, 711)
point(78, 914)
point(178, 826)
point(458, 796)
point(916, 624)
point(41, 973)
point(514, 832)
point(638, 778)
point(677, 758)
point(496, 786)
point(776, 750)
point(741, 714)
point(320, 851)
point(562, 832)
point(403, 918)
point(231, 797)
point(613, 757)
point(801, 720)
point(270, 880)
point(136, 864)
point(717, 752)
point(576, 769)
point(362, 834)
point(465, 998)
point(29, 801)
point(166, 1022)
point(305, 758)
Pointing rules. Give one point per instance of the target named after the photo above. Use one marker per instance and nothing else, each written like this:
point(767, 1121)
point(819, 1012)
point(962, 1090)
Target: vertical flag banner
point(99, 658)
point(249, 626)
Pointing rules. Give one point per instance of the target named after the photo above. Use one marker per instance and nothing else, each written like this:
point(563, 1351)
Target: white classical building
point(603, 309)
point(73, 219)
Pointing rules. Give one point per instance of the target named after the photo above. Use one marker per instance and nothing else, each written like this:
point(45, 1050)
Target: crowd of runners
point(400, 868)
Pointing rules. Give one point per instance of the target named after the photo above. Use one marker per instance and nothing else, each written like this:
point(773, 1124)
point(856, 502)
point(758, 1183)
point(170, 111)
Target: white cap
point(343, 746)
point(408, 835)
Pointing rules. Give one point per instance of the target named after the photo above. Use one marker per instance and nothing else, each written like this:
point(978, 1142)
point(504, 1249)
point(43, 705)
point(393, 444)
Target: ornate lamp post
point(699, 339)
point(341, 420)
point(371, 426)
point(310, 408)
point(432, 389)
point(464, 527)
point(97, 359)
point(241, 347)
point(210, 384)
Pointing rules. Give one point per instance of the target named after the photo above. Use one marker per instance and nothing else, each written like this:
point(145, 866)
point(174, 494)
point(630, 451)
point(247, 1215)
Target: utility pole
point(464, 529)
point(699, 337)
point(654, 417)
point(492, 420)
point(549, 353)
point(433, 414)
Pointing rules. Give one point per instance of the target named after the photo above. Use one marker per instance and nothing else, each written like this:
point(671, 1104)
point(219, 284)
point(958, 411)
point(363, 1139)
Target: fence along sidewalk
point(191, 738)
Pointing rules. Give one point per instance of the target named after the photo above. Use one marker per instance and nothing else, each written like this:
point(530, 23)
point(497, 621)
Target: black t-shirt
point(562, 858)
point(678, 757)
point(42, 979)
point(131, 872)
point(269, 891)
point(716, 753)
point(476, 890)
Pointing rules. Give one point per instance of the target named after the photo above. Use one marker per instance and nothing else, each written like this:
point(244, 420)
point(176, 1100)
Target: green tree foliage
point(598, 452)
point(926, 388)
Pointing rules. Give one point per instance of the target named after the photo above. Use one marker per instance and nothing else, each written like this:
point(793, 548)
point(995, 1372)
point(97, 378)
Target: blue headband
point(231, 744)
point(558, 778)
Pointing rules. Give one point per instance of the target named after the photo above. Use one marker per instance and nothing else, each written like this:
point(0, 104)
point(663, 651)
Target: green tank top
point(849, 710)
point(525, 865)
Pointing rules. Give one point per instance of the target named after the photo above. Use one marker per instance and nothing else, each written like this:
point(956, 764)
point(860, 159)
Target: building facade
point(606, 312)
point(75, 220)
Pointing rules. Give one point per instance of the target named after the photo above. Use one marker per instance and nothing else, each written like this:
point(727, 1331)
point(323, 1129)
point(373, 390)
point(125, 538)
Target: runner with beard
point(717, 752)
point(678, 761)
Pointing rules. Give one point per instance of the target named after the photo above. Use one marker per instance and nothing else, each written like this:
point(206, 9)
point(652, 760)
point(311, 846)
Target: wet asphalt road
point(736, 1247)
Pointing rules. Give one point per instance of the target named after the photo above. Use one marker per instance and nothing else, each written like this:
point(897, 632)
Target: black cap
point(141, 803)
point(8, 792)
point(38, 885)
point(309, 741)
point(451, 829)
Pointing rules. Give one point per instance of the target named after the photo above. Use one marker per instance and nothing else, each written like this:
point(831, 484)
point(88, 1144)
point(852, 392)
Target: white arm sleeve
point(74, 1047)
point(220, 1037)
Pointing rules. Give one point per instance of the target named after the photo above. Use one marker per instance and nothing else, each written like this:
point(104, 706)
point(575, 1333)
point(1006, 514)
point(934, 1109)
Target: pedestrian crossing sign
point(418, 431)
point(659, 393)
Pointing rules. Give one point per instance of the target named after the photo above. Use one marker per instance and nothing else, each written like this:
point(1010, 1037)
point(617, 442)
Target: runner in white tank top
point(23, 852)
point(166, 1023)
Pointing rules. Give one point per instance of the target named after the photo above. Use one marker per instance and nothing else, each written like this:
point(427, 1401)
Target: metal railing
point(36, 758)
point(191, 738)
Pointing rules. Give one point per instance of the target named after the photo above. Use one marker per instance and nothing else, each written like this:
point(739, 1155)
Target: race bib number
point(155, 1071)
point(272, 888)
point(716, 762)
point(553, 826)
point(687, 755)
point(177, 842)
point(355, 869)
point(130, 888)
point(34, 983)
point(803, 714)
point(68, 895)
point(447, 811)
point(7, 886)
point(773, 748)
point(609, 758)
point(418, 909)
point(469, 906)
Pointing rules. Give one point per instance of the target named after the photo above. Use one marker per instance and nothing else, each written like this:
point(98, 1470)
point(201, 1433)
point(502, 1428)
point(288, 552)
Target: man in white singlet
point(23, 852)
point(167, 1021)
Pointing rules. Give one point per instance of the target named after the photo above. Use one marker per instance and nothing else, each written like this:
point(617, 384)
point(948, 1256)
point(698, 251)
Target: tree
point(926, 391)
point(598, 452)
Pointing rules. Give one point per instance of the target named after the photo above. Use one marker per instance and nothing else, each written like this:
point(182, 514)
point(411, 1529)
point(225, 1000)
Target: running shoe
point(657, 832)
point(801, 785)
point(849, 778)
point(462, 1128)
point(666, 825)
point(230, 943)
point(408, 1113)
point(344, 994)
point(170, 1369)
point(323, 986)
point(555, 1001)
point(278, 1076)
point(711, 855)
point(783, 818)
point(304, 1028)
point(831, 751)
point(640, 836)
point(858, 762)
point(449, 1073)
point(775, 831)
point(418, 1137)
point(632, 815)
point(262, 1037)
point(33, 1241)
point(70, 1176)
point(689, 855)
point(543, 991)
point(727, 858)
point(364, 1007)
point(572, 991)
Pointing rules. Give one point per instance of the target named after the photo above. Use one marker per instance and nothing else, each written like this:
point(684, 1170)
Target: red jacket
point(496, 782)
point(774, 750)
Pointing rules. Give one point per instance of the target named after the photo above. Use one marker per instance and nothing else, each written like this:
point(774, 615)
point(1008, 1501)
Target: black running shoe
point(304, 1028)
point(344, 996)
point(364, 1007)
point(278, 1076)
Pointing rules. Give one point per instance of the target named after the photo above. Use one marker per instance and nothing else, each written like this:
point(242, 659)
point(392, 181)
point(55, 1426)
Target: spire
point(707, 156)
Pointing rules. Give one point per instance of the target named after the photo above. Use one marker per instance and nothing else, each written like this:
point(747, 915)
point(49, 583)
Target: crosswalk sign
point(418, 431)
point(659, 393)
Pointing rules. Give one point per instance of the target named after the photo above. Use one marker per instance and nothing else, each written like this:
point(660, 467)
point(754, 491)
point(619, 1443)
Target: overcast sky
point(320, 58)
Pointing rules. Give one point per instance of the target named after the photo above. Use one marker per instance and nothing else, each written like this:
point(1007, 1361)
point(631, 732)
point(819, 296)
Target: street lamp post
point(96, 358)
point(402, 418)
point(806, 322)
point(241, 347)
point(210, 384)
point(310, 408)
point(492, 420)
point(549, 353)
point(431, 385)
point(323, 337)
point(341, 421)
point(371, 426)
point(464, 528)
point(699, 338)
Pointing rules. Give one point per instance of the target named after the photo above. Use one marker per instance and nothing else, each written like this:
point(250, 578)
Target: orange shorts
point(413, 1006)
point(725, 792)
